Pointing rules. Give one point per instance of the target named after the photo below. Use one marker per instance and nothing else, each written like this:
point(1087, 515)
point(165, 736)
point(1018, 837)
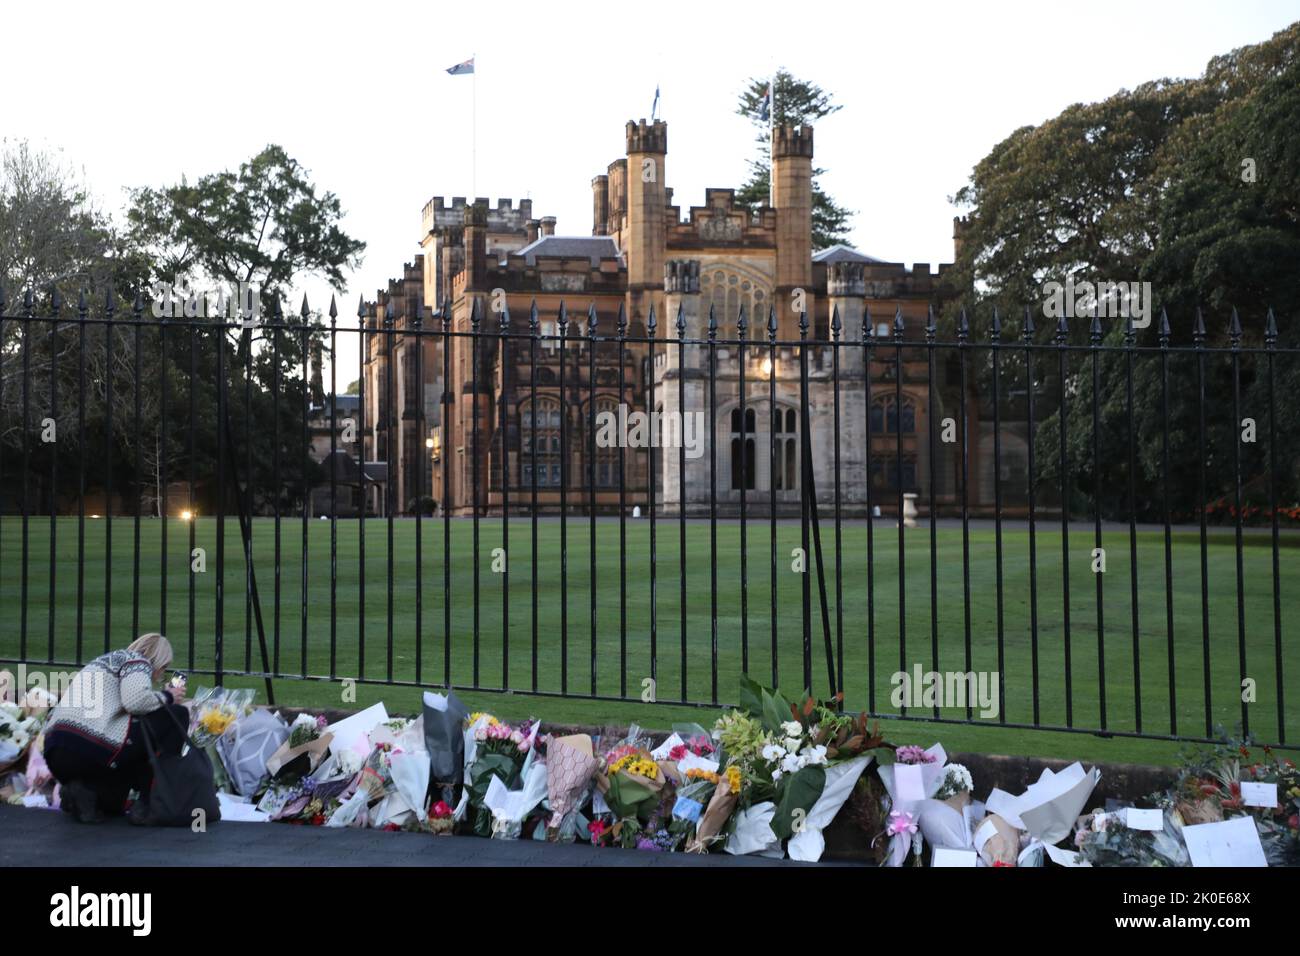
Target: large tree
point(1190, 185)
point(795, 102)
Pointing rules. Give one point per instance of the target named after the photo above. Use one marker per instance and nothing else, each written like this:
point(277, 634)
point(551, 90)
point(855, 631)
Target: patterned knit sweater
point(104, 695)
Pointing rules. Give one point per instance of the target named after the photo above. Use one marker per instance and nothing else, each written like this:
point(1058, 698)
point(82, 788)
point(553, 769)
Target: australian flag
point(766, 109)
point(459, 68)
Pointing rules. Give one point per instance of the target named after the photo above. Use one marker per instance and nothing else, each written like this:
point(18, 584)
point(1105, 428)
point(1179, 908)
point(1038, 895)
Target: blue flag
point(459, 68)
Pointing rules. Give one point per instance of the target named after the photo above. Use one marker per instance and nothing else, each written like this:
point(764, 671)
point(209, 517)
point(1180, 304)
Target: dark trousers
point(72, 757)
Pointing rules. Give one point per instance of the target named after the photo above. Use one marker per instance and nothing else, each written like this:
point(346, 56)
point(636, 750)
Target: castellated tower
point(645, 237)
point(792, 154)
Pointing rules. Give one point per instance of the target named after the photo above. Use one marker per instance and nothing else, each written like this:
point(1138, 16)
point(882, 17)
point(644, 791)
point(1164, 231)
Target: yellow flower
point(216, 722)
point(472, 718)
point(733, 778)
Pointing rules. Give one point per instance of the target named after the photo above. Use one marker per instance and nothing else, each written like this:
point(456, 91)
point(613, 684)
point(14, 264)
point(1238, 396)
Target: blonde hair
point(154, 648)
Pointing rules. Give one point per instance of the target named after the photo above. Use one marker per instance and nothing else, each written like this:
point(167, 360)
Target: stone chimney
point(600, 206)
point(792, 155)
point(532, 227)
point(548, 225)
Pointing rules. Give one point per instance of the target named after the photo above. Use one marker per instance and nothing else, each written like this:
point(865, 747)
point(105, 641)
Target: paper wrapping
point(308, 756)
point(714, 818)
point(570, 765)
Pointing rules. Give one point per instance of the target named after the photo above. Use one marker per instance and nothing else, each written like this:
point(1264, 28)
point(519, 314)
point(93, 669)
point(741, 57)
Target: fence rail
point(1067, 496)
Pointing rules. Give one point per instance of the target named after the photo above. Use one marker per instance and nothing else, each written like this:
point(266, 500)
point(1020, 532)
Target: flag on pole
point(459, 68)
point(654, 109)
point(766, 109)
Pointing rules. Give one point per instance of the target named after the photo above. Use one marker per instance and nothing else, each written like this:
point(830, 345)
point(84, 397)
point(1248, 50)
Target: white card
point(909, 781)
point(1259, 794)
point(1232, 842)
point(944, 856)
point(1060, 857)
point(1136, 819)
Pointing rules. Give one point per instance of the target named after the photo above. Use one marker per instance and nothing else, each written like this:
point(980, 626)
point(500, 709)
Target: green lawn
point(611, 667)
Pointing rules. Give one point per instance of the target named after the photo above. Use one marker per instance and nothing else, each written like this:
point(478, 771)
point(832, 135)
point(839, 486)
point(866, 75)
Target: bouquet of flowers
point(304, 749)
point(1104, 839)
point(499, 751)
point(806, 757)
point(215, 710)
point(17, 731)
point(956, 787)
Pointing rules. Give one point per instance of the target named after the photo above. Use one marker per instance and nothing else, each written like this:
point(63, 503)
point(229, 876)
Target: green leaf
point(799, 791)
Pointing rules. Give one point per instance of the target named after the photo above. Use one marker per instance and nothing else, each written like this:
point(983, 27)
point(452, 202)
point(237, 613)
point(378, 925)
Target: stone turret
point(645, 238)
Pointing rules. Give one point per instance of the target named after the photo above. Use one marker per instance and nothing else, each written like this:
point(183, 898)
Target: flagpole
point(473, 160)
point(771, 123)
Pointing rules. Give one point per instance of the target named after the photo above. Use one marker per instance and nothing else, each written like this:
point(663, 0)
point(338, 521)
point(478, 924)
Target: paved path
point(31, 837)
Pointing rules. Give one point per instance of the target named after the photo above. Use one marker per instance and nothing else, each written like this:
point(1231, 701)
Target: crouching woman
point(94, 740)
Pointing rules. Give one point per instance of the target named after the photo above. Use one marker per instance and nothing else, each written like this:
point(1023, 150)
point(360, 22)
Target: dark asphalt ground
point(30, 837)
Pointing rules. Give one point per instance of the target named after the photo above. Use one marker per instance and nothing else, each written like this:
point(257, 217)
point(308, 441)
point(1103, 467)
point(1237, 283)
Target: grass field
point(614, 666)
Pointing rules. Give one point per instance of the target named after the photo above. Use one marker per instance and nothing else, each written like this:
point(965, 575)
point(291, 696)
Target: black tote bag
point(182, 783)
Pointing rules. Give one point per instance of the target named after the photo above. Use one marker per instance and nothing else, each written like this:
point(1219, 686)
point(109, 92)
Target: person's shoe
point(138, 815)
point(81, 802)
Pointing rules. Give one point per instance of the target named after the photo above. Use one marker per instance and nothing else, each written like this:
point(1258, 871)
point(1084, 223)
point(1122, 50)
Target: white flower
point(791, 763)
point(957, 778)
point(792, 728)
point(776, 776)
point(815, 755)
point(773, 753)
point(792, 744)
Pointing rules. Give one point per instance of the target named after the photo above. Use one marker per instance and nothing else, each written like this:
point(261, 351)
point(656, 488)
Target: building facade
point(508, 406)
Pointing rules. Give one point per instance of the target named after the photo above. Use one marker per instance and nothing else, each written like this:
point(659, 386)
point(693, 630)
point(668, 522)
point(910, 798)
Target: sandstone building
point(508, 418)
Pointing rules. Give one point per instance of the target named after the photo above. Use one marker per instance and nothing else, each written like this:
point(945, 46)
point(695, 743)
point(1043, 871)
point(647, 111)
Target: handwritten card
point(1259, 794)
point(909, 781)
point(1232, 842)
point(1136, 819)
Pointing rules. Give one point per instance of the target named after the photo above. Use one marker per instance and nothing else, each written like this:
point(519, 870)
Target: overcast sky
point(143, 93)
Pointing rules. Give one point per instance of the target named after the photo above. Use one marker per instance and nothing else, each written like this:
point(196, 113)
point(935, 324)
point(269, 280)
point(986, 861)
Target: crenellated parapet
point(505, 217)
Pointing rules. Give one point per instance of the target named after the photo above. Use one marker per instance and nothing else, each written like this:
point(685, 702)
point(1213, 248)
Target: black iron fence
point(1086, 526)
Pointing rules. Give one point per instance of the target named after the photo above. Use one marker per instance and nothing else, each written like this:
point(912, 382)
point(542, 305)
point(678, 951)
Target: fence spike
point(995, 328)
point(305, 311)
point(1270, 329)
point(334, 308)
point(835, 321)
point(803, 324)
point(279, 309)
point(532, 318)
point(681, 321)
point(137, 307)
point(1095, 330)
point(390, 312)
point(771, 322)
point(1234, 326)
point(742, 324)
point(505, 318)
point(622, 320)
point(110, 301)
point(650, 323)
point(1164, 327)
point(3, 300)
point(1198, 330)
point(592, 319)
point(28, 302)
point(1062, 327)
point(446, 314)
point(56, 300)
point(1130, 333)
point(931, 326)
point(417, 320)
point(963, 326)
point(563, 319)
point(898, 321)
point(81, 304)
point(868, 330)
point(713, 322)
point(1027, 328)
point(361, 307)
